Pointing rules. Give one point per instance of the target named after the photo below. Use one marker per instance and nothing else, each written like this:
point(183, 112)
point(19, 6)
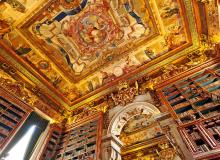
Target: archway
point(127, 113)
point(112, 144)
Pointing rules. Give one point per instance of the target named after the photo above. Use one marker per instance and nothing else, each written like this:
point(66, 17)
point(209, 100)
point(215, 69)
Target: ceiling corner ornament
point(125, 93)
point(19, 89)
point(208, 50)
point(13, 86)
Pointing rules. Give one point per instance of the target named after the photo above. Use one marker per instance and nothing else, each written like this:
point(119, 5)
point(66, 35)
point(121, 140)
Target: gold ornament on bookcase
point(72, 119)
point(86, 111)
point(196, 58)
point(123, 85)
point(163, 145)
point(150, 83)
point(207, 43)
point(97, 108)
point(199, 56)
point(125, 93)
point(139, 154)
point(17, 88)
point(166, 153)
point(102, 108)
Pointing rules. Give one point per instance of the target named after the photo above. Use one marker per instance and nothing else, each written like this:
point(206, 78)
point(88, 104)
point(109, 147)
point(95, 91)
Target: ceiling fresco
point(91, 36)
point(79, 48)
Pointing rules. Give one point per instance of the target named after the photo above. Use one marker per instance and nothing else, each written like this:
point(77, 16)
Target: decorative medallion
point(92, 31)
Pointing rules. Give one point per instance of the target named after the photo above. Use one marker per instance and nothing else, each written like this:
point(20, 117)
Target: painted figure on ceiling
point(18, 6)
point(91, 29)
point(129, 66)
point(50, 31)
point(134, 20)
point(170, 12)
point(150, 53)
point(176, 37)
point(80, 40)
point(92, 32)
point(7, 33)
point(52, 34)
point(170, 8)
point(17, 43)
point(4, 24)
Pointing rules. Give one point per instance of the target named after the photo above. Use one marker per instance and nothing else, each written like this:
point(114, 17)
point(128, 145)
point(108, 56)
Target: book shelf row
point(195, 97)
point(11, 116)
point(73, 142)
point(194, 102)
point(203, 136)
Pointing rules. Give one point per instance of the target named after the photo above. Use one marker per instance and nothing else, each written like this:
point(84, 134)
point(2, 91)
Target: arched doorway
point(127, 113)
point(134, 134)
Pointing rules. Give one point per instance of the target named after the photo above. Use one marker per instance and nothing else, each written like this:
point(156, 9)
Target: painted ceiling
point(75, 50)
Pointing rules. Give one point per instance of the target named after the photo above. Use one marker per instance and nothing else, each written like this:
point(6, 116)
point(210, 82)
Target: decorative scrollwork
point(19, 89)
point(86, 111)
point(125, 93)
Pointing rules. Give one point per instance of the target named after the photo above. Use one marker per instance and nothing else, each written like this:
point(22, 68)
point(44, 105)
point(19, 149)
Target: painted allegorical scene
point(85, 44)
point(140, 128)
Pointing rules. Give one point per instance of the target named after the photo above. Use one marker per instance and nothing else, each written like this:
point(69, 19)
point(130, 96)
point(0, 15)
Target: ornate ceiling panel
point(80, 48)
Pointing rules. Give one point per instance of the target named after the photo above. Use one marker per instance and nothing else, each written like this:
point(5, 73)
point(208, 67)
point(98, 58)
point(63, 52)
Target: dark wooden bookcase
point(13, 113)
point(73, 142)
point(194, 102)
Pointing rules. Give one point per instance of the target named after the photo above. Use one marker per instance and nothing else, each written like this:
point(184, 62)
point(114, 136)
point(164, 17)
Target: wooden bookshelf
point(194, 102)
point(52, 143)
point(75, 142)
point(202, 137)
point(194, 97)
point(11, 117)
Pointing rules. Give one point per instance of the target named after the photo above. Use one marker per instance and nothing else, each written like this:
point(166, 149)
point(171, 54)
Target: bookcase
point(203, 137)
point(195, 97)
point(213, 127)
point(194, 102)
point(52, 142)
point(75, 142)
point(11, 117)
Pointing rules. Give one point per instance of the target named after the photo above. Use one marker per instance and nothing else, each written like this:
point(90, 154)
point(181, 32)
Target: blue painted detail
point(60, 16)
point(74, 11)
point(38, 28)
point(66, 56)
point(133, 14)
point(127, 7)
point(83, 4)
